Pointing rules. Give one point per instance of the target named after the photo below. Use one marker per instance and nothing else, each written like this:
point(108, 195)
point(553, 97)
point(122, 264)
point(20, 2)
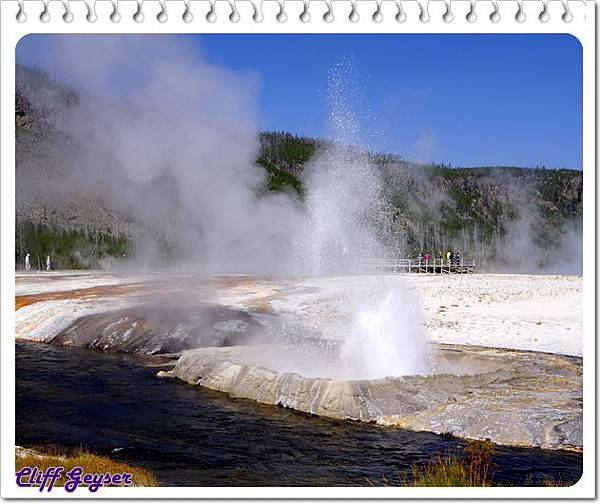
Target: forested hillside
point(505, 217)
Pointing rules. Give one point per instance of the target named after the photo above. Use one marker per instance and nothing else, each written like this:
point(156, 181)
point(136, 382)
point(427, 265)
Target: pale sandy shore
point(32, 283)
point(524, 312)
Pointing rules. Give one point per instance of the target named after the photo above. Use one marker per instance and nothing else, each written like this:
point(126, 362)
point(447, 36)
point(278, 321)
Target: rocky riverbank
point(513, 398)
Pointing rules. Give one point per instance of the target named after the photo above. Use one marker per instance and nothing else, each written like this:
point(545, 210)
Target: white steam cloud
point(170, 140)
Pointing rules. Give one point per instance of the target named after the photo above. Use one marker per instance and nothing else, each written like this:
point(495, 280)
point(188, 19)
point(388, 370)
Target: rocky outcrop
point(519, 399)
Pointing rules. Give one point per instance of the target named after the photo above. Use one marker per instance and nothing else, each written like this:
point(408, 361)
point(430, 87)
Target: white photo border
point(582, 26)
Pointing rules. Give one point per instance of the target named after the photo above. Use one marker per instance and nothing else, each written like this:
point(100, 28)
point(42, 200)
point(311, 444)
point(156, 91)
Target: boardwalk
point(435, 266)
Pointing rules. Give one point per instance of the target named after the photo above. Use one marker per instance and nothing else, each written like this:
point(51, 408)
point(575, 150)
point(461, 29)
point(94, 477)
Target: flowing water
point(114, 404)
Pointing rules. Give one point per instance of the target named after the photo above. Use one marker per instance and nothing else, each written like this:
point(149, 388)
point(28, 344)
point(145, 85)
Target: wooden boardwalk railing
point(434, 266)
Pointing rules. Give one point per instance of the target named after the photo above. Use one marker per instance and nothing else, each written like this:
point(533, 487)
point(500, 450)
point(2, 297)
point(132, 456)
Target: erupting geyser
point(343, 231)
point(387, 339)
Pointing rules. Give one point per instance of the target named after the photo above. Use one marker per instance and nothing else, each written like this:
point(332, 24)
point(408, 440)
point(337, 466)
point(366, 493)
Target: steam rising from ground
point(509, 223)
point(171, 140)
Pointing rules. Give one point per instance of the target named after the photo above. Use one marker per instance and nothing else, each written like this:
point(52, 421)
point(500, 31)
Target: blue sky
point(460, 99)
point(467, 100)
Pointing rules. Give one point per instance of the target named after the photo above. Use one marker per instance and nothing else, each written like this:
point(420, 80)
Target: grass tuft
point(473, 469)
point(442, 472)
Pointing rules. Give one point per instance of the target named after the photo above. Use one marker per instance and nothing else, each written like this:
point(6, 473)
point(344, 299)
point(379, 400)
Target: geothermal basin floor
point(212, 325)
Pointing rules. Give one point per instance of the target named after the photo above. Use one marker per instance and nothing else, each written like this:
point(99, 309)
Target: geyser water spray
point(344, 197)
point(387, 337)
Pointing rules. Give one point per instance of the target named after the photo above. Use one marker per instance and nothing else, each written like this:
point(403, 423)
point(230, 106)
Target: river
point(113, 404)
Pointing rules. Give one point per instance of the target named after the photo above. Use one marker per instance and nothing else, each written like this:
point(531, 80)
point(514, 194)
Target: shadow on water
point(114, 404)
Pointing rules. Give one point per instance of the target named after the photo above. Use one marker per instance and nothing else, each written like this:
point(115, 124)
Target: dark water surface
point(114, 404)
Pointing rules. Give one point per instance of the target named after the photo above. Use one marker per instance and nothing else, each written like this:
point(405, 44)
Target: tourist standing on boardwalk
point(27, 262)
point(449, 257)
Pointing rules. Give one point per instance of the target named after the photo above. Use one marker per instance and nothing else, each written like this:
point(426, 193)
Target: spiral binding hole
point(424, 16)
point(305, 15)
point(328, 16)
point(400, 15)
point(21, 17)
point(91, 16)
point(520, 15)
point(281, 15)
point(544, 16)
point(211, 15)
point(115, 16)
point(448, 17)
point(162, 16)
point(472, 15)
point(567, 15)
point(45, 14)
point(138, 17)
point(68, 15)
point(258, 15)
point(187, 15)
point(234, 15)
point(378, 15)
point(354, 16)
point(495, 15)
